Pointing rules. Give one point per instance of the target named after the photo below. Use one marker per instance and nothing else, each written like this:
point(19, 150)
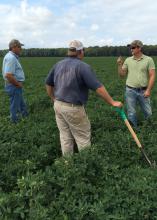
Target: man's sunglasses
point(132, 48)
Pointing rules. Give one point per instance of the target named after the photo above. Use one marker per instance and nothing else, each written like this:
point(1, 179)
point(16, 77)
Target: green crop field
point(109, 181)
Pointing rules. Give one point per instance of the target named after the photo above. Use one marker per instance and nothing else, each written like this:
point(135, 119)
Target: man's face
point(135, 50)
point(82, 53)
point(17, 49)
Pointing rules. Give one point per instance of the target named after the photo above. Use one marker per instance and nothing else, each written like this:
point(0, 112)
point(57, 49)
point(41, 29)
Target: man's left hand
point(147, 93)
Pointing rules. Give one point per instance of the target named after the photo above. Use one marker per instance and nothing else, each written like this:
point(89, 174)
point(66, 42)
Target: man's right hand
point(117, 104)
point(11, 79)
point(121, 71)
point(19, 85)
point(120, 61)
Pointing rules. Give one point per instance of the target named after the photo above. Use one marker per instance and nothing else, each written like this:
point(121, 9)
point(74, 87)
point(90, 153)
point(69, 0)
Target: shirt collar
point(73, 57)
point(138, 58)
point(14, 54)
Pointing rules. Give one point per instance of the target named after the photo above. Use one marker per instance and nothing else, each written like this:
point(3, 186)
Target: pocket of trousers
point(75, 116)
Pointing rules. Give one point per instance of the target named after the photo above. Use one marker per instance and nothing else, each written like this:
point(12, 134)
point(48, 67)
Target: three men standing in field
point(68, 84)
point(140, 71)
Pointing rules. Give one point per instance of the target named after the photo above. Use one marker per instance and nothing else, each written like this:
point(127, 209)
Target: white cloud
point(46, 23)
point(94, 27)
point(24, 22)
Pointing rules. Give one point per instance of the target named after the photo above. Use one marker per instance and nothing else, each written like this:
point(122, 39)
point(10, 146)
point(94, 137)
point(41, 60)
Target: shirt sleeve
point(89, 77)
point(151, 64)
point(50, 78)
point(125, 65)
point(10, 66)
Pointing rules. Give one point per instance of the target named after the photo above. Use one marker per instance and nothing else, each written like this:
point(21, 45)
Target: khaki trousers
point(73, 125)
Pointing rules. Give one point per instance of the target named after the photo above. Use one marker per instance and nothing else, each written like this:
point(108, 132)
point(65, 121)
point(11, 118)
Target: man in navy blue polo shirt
point(67, 85)
point(14, 77)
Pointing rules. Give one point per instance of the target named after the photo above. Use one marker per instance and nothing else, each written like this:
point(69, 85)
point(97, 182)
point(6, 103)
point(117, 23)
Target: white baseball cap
point(76, 44)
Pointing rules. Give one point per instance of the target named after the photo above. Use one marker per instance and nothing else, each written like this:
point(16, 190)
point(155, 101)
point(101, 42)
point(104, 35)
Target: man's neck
point(138, 55)
point(16, 55)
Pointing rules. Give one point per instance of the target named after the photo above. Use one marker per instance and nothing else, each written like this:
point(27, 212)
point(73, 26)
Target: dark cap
point(136, 43)
point(14, 43)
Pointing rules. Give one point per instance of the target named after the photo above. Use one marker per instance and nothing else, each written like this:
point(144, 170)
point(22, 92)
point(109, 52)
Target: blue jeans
point(134, 96)
point(17, 103)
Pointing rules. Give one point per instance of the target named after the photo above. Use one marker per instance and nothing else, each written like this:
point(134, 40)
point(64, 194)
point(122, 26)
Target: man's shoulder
point(73, 60)
point(147, 57)
point(9, 56)
point(129, 58)
point(65, 60)
point(84, 64)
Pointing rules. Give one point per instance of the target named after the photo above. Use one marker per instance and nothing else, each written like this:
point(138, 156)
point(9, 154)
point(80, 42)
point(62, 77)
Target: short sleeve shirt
point(138, 70)
point(71, 79)
point(12, 65)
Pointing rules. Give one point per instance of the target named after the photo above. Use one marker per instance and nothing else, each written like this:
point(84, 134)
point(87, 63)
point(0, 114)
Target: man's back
point(71, 79)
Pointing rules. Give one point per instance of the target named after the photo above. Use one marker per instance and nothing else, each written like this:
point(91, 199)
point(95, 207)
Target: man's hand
point(147, 93)
point(117, 104)
point(121, 71)
point(11, 79)
point(120, 61)
point(19, 84)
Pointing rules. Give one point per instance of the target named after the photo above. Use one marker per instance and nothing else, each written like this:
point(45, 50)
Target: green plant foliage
point(109, 181)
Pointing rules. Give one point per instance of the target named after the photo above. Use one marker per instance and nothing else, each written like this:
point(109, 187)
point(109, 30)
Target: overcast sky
point(53, 23)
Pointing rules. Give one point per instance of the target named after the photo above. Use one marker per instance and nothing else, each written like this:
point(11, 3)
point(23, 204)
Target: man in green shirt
point(140, 71)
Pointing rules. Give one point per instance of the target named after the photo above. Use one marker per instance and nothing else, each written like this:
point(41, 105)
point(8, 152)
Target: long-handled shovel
point(124, 118)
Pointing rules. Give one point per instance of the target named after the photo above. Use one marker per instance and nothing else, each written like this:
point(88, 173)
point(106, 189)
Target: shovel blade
point(146, 158)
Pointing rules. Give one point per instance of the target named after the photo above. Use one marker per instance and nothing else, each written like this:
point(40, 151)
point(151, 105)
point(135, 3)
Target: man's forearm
point(105, 95)
point(151, 80)
point(50, 91)
point(11, 79)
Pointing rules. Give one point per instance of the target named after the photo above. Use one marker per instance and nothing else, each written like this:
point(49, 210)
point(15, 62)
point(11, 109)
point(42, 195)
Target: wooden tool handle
point(133, 133)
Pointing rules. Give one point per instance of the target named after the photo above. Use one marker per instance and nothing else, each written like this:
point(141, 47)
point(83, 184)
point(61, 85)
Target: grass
point(108, 181)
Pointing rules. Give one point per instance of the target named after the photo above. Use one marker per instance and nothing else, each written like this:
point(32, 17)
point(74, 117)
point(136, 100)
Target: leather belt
point(7, 82)
point(137, 89)
point(68, 104)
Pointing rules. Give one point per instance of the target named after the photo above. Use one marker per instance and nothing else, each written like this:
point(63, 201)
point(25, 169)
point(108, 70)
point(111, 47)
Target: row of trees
point(90, 51)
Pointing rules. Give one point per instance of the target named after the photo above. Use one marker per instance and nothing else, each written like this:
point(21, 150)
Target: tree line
point(95, 51)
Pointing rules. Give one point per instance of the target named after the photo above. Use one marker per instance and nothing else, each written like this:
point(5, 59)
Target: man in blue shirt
point(67, 85)
point(14, 77)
